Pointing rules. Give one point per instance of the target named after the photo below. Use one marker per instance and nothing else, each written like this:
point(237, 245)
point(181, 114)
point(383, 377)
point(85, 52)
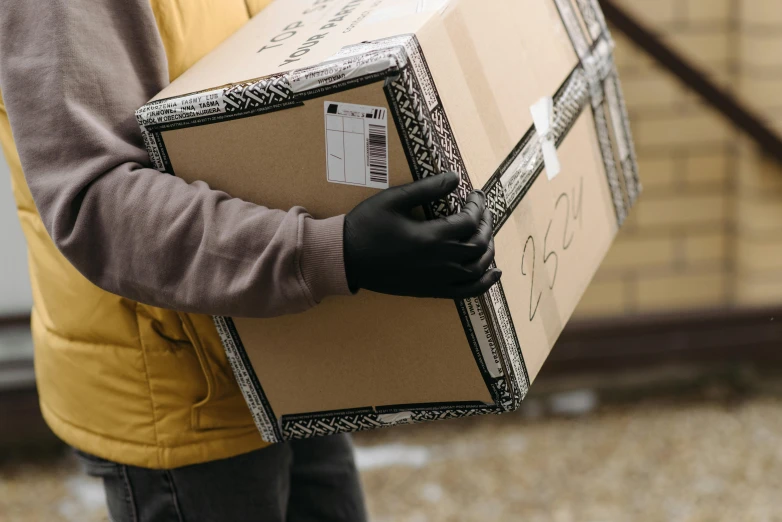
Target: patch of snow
point(574, 403)
point(388, 455)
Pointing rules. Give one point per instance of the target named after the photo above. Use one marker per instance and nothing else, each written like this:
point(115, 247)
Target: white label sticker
point(356, 144)
point(543, 116)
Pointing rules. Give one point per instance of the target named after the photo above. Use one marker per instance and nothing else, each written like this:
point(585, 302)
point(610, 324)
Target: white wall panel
point(15, 296)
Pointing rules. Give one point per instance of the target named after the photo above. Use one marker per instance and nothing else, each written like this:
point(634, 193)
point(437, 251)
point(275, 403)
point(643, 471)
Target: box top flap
point(294, 34)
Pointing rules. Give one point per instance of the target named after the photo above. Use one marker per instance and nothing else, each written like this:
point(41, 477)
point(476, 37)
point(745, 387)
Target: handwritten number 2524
point(571, 210)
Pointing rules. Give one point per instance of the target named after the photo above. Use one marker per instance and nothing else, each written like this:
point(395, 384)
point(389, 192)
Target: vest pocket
point(189, 328)
point(223, 406)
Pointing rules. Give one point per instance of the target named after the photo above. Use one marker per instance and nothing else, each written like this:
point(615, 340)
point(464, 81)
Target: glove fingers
point(466, 223)
point(479, 287)
point(469, 271)
point(478, 268)
point(485, 233)
point(473, 248)
point(407, 197)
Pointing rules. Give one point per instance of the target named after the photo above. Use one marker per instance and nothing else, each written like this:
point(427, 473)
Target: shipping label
point(356, 144)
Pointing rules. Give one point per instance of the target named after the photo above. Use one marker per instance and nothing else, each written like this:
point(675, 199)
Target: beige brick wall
point(707, 232)
point(759, 180)
point(758, 229)
point(761, 13)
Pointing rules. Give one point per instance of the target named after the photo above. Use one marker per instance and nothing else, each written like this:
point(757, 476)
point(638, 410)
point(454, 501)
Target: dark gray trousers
point(311, 480)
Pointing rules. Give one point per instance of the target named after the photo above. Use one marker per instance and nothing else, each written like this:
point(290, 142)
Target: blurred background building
point(693, 283)
point(707, 233)
point(15, 295)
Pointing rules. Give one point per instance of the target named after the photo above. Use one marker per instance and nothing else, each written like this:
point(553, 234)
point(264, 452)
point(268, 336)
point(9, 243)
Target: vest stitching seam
point(252, 431)
point(149, 387)
point(206, 368)
point(55, 333)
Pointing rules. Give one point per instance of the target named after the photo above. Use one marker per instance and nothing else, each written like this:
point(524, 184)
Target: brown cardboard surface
point(467, 49)
point(278, 160)
point(490, 61)
point(369, 350)
point(569, 270)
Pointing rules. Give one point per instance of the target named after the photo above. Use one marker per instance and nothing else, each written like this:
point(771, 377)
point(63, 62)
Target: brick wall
point(759, 187)
point(707, 232)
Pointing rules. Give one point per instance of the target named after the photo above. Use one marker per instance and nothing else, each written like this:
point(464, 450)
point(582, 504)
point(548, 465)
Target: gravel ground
point(700, 462)
point(650, 460)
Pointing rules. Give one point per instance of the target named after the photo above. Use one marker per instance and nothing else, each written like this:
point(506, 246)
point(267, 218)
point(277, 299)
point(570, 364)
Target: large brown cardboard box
point(323, 103)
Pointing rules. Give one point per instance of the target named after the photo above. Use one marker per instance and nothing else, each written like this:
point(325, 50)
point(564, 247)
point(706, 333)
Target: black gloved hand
point(388, 251)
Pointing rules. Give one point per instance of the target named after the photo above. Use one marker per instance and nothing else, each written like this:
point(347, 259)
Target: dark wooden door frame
point(715, 336)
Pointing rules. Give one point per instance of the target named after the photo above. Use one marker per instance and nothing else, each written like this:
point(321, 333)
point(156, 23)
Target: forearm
point(72, 73)
point(155, 239)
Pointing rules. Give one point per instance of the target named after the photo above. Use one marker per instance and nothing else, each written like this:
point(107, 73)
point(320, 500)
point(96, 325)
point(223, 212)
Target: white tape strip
point(543, 116)
point(353, 66)
point(402, 8)
point(395, 418)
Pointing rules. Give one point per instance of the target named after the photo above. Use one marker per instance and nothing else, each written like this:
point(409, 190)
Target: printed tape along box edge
point(417, 113)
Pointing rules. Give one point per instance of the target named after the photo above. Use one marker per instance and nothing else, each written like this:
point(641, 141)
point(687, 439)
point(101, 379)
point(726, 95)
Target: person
point(128, 263)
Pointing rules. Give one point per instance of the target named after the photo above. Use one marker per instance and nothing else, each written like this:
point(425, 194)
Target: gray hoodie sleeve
point(72, 73)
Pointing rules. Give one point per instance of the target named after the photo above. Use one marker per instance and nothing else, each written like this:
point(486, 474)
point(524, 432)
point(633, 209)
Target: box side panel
point(487, 93)
point(521, 198)
point(329, 358)
point(488, 62)
point(366, 351)
point(553, 242)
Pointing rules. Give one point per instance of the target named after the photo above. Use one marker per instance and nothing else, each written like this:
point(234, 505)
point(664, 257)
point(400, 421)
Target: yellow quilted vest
point(124, 381)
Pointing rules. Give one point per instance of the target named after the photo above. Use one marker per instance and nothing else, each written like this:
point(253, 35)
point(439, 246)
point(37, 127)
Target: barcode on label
point(356, 144)
point(377, 153)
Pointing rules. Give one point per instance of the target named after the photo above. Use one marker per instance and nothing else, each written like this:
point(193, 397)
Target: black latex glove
point(389, 251)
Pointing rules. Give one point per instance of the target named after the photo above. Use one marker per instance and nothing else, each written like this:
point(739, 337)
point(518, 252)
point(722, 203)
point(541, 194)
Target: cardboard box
point(322, 103)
